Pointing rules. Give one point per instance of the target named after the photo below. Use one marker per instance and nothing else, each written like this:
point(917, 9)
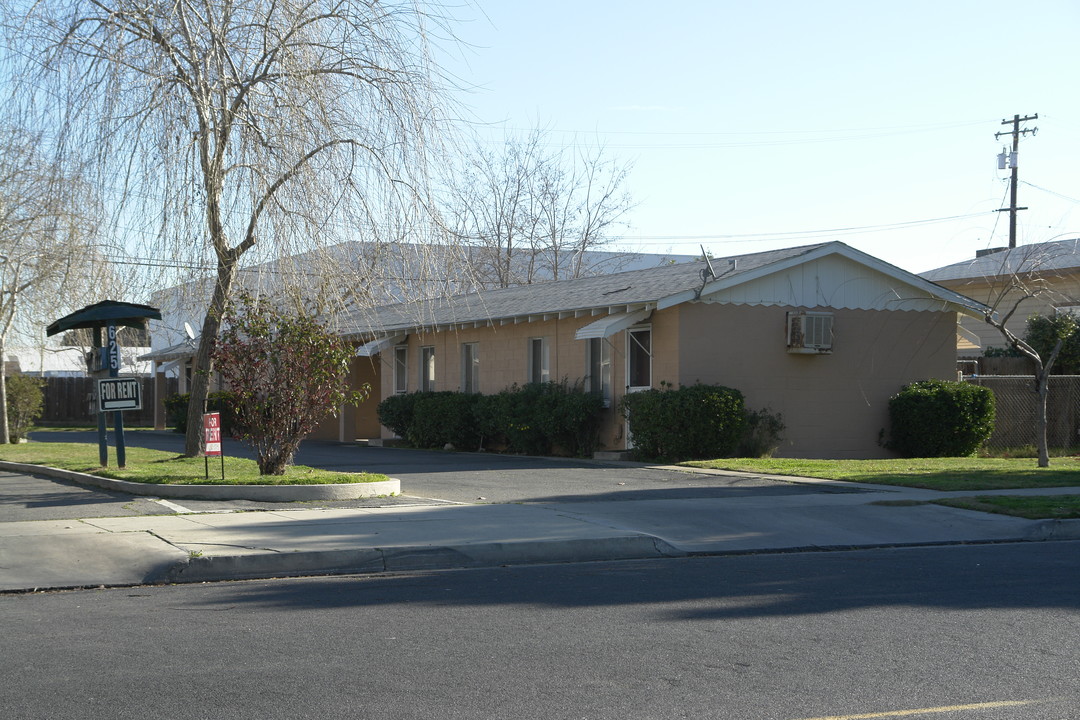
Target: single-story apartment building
point(823, 334)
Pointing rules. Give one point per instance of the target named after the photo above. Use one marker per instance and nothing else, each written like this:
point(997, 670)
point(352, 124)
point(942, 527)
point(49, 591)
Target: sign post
point(211, 423)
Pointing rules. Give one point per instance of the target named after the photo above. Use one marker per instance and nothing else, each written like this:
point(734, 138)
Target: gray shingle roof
point(619, 290)
point(1037, 257)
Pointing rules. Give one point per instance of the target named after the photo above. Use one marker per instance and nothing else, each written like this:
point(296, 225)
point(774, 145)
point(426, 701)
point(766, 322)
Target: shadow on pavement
point(1019, 576)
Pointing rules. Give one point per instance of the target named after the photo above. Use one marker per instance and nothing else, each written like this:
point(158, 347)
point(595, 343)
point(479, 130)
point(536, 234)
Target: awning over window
point(611, 324)
point(378, 345)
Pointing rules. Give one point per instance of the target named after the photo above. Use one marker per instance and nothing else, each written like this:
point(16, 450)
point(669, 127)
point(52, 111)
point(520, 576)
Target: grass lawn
point(974, 473)
point(945, 474)
point(1060, 507)
point(164, 468)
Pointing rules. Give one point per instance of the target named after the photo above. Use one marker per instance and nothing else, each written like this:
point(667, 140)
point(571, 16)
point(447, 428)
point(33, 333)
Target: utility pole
point(1016, 132)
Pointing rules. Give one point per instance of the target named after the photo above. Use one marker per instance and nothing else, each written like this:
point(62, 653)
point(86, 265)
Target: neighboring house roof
point(69, 361)
point(1037, 258)
point(632, 295)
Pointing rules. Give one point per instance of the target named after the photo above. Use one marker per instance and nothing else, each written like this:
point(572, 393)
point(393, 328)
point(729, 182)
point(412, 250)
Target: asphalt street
point(987, 632)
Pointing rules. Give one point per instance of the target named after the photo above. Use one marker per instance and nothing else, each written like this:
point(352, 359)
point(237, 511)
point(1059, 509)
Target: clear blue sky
point(745, 119)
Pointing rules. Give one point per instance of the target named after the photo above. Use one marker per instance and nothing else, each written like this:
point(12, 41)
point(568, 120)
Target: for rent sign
point(119, 394)
point(211, 423)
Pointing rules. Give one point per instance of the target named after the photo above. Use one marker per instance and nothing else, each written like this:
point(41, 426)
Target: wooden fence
point(72, 400)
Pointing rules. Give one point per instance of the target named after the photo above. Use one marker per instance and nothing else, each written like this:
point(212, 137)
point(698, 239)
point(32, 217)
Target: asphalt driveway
point(493, 478)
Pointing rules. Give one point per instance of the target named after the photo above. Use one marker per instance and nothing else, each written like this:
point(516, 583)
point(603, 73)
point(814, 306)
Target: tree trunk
point(194, 443)
point(1042, 390)
point(5, 431)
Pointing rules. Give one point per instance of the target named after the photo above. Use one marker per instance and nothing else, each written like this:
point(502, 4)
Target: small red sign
point(211, 423)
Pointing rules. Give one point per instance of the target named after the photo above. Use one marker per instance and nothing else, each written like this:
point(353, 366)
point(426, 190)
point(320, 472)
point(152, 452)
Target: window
point(401, 369)
point(598, 369)
point(809, 332)
point(470, 367)
point(427, 368)
point(639, 358)
point(538, 360)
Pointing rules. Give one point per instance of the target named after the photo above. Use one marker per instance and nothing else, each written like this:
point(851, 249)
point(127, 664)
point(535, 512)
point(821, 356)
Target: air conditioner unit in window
point(809, 332)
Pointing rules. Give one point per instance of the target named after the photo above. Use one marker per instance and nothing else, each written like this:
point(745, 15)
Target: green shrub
point(763, 434)
point(694, 422)
point(542, 418)
point(396, 412)
point(509, 418)
point(940, 418)
point(439, 418)
point(1043, 333)
point(535, 419)
point(25, 403)
point(223, 401)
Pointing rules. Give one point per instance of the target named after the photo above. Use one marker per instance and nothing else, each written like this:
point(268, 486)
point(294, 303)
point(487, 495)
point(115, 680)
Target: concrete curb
point(406, 558)
point(1055, 530)
point(260, 493)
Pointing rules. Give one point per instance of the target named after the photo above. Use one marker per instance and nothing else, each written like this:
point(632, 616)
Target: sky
point(760, 125)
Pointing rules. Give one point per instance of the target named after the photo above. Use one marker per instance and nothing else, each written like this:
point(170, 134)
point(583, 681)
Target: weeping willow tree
point(48, 260)
point(232, 132)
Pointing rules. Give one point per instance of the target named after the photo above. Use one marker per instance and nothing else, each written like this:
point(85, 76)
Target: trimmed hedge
point(224, 402)
point(543, 418)
point(694, 422)
point(535, 419)
point(940, 418)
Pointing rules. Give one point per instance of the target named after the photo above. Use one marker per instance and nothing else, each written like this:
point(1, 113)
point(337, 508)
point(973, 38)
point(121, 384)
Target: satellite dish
point(189, 331)
point(710, 272)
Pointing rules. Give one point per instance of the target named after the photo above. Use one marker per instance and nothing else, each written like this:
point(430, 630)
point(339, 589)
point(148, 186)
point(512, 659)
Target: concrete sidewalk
point(207, 547)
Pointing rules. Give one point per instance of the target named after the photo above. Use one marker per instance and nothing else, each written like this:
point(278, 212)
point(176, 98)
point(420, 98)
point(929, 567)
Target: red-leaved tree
point(288, 373)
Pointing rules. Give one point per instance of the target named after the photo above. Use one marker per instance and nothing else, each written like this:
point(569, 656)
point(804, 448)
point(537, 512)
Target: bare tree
point(1025, 275)
point(47, 259)
point(532, 213)
point(258, 129)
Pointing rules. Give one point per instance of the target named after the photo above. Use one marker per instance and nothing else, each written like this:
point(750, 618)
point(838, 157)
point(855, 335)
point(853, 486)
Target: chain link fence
point(1016, 398)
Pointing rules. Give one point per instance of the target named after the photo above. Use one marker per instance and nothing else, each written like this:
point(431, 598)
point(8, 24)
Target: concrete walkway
point(196, 547)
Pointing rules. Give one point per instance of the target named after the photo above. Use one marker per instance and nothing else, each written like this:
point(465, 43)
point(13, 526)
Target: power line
point(749, 237)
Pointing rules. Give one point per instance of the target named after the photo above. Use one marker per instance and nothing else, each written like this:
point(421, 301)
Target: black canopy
point(105, 313)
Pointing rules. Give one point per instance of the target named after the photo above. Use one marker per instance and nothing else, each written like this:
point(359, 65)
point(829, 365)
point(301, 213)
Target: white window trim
point(605, 388)
point(545, 360)
point(427, 351)
point(401, 372)
point(470, 370)
point(630, 339)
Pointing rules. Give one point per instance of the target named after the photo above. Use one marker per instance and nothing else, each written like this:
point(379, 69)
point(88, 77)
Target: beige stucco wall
point(833, 405)
point(503, 354)
point(352, 423)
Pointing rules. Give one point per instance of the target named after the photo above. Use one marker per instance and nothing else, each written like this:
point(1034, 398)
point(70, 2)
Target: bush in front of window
point(533, 419)
point(542, 419)
point(441, 418)
point(940, 418)
point(396, 412)
point(692, 422)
